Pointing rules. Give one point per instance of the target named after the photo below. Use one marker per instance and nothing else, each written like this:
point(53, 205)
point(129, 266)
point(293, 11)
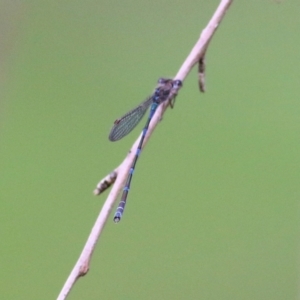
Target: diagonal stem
point(118, 176)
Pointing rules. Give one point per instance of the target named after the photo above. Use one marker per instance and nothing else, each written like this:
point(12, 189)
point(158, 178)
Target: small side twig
point(119, 175)
point(105, 183)
point(201, 74)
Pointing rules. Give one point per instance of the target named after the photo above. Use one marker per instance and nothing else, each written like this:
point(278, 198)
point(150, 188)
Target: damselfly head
point(163, 82)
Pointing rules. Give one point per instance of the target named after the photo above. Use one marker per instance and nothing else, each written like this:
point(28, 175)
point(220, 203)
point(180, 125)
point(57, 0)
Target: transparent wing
point(127, 122)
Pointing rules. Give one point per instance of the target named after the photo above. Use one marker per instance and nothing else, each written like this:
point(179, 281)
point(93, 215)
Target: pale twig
point(119, 175)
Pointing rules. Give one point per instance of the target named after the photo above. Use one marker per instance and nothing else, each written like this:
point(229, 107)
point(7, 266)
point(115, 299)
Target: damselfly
point(166, 91)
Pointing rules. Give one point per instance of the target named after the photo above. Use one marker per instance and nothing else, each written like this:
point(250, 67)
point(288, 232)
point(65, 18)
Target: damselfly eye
point(177, 83)
point(163, 80)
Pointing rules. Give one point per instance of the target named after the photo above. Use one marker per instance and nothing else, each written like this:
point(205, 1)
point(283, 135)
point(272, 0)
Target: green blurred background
point(213, 210)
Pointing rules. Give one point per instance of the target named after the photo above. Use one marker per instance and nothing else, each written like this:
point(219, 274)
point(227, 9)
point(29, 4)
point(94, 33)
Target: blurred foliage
point(213, 210)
